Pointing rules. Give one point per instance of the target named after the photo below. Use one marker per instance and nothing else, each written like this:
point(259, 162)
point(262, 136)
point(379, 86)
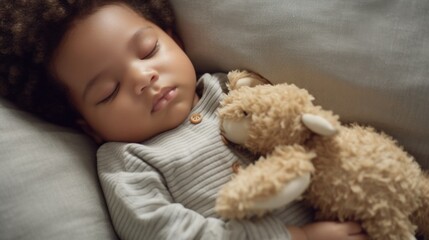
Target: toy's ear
point(247, 81)
point(241, 78)
point(318, 124)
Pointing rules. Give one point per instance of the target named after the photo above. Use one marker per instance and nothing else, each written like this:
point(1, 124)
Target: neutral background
point(366, 60)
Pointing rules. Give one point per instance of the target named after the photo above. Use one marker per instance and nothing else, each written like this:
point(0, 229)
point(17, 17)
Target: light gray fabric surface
point(366, 60)
point(48, 182)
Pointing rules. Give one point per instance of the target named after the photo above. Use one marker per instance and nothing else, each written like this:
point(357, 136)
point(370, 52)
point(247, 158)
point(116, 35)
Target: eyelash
point(154, 50)
point(111, 96)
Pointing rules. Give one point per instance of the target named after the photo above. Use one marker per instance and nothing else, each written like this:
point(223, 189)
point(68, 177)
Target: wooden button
point(196, 118)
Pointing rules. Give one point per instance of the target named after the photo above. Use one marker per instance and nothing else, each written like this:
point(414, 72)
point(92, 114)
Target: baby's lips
point(162, 98)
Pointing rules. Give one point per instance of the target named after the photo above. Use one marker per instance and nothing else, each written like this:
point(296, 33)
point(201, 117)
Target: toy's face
point(236, 130)
point(265, 116)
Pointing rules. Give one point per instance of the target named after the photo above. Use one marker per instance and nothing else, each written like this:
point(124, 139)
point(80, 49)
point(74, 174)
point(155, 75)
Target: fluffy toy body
point(356, 173)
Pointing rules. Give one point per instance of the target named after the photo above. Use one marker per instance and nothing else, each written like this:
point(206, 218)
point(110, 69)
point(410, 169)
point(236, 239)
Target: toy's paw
point(290, 192)
point(272, 182)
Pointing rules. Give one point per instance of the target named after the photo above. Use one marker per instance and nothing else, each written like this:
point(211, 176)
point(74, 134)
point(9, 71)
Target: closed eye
point(153, 52)
point(111, 96)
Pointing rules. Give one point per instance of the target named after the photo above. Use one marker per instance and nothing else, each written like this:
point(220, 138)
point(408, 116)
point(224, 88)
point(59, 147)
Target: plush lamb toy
point(345, 172)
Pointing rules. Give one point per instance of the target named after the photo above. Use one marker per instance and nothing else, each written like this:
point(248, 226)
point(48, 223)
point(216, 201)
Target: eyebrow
point(139, 32)
point(96, 78)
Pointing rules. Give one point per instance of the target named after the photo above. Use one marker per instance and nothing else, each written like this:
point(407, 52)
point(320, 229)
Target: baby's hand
point(328, 231)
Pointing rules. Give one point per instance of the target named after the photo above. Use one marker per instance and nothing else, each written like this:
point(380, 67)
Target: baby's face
point(127, 77)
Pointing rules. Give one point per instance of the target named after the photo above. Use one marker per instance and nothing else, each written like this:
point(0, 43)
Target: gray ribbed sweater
point(166, 187)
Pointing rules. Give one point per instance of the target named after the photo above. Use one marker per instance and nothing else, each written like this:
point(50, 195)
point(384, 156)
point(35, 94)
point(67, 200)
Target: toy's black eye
point(245, 113)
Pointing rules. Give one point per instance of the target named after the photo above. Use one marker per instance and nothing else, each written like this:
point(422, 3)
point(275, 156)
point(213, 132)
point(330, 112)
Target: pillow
point(49, 187)
point(366, 60)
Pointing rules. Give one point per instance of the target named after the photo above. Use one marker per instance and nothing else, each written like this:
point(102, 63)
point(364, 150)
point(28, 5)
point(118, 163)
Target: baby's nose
point(144, 78)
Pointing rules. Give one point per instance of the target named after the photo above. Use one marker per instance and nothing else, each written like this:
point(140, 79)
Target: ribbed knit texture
point(166, 187)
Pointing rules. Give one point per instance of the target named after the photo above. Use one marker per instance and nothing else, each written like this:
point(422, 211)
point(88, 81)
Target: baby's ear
point(173, 34)
point(89, 130)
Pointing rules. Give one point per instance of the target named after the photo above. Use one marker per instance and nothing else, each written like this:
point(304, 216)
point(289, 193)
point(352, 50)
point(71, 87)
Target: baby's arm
point(328, 231)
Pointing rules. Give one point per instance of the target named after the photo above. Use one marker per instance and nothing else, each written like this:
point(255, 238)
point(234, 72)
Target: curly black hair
point(30, 31)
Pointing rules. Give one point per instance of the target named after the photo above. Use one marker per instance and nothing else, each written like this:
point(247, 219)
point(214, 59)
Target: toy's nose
point(235, 131)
